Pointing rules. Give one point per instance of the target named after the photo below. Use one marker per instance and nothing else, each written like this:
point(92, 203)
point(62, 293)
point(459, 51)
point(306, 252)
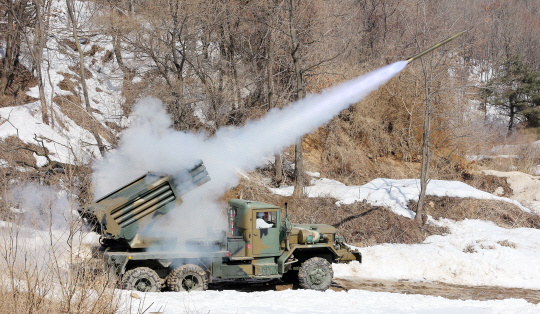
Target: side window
point(271, 217)
point(232, 212)
point(266, 220)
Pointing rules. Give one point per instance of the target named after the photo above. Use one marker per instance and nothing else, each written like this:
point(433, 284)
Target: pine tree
point(515, 92)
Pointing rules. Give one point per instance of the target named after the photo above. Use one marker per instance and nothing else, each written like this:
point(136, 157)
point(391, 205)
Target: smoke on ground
point(150, 144)
point(41, 239)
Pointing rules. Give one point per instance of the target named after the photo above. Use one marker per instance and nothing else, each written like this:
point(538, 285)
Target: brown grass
point(16, 92)
point(41, 267)
point(71, 106)
point(360, 224)
point(488, 183)
point(503, 214)
point(507, 244)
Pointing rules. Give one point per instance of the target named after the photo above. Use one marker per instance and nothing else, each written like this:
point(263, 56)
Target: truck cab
point(257, 241)
point(277, 248)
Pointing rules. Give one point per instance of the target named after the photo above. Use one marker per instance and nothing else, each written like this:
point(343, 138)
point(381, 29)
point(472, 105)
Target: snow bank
point(475, 253)
point(526, 188)
point(309, 301)
point(394, 194)
point(25, 122)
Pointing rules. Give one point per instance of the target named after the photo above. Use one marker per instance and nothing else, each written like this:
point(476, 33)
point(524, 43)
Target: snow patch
point(526, 188)
point(474, 253)
point(394, 194)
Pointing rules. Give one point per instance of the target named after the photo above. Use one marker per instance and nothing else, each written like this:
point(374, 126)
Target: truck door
point(266, 225)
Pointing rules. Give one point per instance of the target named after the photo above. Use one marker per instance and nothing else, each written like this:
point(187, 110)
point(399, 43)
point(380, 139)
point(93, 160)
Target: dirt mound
point(525, 187)
point(489, 183)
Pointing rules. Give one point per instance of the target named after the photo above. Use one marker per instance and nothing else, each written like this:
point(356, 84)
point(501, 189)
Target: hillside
point(166, 83)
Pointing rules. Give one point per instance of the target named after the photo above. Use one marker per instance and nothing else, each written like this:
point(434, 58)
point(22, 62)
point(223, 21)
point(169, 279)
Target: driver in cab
point(261, 223)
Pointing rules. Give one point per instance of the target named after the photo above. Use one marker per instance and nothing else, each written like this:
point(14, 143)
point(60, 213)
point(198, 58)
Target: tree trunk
point(93, 122)
point(279, 169)
point(8, 56)
point(39, 45)
point(278, 177)
point(426, 156)
point(512, 113)
point(298, 160)
point(118, 54)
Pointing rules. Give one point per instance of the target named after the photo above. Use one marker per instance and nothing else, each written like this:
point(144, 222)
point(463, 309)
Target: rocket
point(437, 45)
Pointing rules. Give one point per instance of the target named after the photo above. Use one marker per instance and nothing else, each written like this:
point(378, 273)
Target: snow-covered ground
point(394, 194)
point(475, 253)
point(25, 123)
point(308, 301)
point(66, 141)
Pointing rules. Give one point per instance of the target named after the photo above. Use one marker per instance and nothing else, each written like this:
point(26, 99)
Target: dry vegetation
point(44, 262)
point(234, 61)
point(363, 225)
point(503, 214)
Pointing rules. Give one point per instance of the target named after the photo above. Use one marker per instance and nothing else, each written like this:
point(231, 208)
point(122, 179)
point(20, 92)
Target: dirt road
point(425, 288)
point(440, 289)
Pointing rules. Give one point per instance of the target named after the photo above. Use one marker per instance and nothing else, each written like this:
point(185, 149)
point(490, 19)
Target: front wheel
point(141, 279)
point(316, 273)
point(187, 278)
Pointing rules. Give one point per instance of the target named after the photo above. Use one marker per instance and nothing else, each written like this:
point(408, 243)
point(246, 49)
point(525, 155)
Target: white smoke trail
point(151, 145)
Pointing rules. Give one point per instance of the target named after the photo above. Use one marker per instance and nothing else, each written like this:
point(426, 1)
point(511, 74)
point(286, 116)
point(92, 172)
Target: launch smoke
point(150, 144)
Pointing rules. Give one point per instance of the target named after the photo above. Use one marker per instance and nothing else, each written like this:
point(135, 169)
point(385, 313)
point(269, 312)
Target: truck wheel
point(187, 278)
point(141, 279)
point(316, 274)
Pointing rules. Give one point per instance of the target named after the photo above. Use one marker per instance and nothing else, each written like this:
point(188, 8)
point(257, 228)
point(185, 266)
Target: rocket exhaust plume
point(150, 144)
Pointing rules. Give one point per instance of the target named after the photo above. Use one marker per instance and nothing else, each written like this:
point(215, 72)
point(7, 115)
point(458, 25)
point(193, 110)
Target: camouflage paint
point(245, 251)
point(265, 240)
point(132, 210)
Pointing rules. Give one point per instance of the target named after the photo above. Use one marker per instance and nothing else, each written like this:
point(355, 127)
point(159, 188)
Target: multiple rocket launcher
point(122, 214)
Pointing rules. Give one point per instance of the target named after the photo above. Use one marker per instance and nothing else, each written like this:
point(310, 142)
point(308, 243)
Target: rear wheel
point(316, 273)
point(141, 279)
point(187, 278)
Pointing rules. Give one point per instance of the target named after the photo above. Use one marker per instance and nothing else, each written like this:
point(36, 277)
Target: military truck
point(256, 244)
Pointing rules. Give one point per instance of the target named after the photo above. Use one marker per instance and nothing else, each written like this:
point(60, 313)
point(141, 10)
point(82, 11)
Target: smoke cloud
point(150, 144)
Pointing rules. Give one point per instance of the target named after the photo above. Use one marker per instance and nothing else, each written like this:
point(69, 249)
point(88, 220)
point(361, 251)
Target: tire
point(141, 279)
point(187, 278)
point(316, 274)
point(290, 277)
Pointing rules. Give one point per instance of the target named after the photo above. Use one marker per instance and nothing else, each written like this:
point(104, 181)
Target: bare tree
point(311, 29)
point(434, 75)
point(17, 16)
point(42, 10)
point(92, 121)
